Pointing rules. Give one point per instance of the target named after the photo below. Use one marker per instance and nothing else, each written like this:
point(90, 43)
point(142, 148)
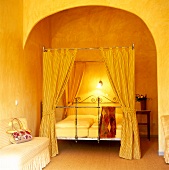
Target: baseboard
point(160, 153)
point(154, 136)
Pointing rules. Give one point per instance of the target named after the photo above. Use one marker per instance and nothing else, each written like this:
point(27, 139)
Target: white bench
point(29, 155)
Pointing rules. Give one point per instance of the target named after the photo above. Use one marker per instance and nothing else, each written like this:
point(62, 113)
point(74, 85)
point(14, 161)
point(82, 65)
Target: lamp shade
point(100, 84)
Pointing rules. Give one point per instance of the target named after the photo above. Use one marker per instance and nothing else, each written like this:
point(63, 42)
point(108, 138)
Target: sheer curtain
point(57, 65)
point(120, 66)
point(74, 83)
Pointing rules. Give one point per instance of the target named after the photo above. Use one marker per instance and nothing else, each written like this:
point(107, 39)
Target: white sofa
point(31, 155)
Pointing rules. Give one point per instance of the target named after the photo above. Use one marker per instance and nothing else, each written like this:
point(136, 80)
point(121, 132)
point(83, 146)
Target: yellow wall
point(11, 59)
point(20, 70)
point(38, 38)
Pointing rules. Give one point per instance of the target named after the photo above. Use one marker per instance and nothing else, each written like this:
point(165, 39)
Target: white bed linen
point(71, 133)
point(87, 126)
point(67, 127)
point(83, 121)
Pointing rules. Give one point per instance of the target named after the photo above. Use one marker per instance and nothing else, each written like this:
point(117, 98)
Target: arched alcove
point(98, 26)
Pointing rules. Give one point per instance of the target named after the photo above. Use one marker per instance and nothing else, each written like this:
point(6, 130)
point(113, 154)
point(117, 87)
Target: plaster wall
point(11, 57)
point(33, 53)
point(20, 70)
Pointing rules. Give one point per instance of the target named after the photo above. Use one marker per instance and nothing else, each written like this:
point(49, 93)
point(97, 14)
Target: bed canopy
point(120, 67)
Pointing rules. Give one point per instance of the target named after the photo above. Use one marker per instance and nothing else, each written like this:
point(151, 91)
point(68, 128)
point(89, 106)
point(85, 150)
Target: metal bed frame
point(98, 100)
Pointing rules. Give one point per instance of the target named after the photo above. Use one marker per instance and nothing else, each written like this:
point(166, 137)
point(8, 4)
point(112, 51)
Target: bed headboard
point(92, 99)
point(92, 104)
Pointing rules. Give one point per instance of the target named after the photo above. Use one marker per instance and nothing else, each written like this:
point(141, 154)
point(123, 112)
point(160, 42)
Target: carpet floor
point(91, 155)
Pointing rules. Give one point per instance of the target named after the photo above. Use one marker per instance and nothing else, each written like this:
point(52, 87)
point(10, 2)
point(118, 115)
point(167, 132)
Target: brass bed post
point(76, 137)
point(98, 138)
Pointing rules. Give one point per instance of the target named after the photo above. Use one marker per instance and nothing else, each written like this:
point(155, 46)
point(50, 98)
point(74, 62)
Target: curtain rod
point(92, 48)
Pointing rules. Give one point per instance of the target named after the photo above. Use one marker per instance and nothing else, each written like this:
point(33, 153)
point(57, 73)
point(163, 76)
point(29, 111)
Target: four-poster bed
point(120, 66)
point(94, 118)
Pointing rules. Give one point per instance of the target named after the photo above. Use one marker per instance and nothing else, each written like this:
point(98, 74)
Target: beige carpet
point(91, 155)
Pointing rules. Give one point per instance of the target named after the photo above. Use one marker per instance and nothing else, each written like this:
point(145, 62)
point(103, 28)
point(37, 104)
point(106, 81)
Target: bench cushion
point(16, 155)
point(5, 125)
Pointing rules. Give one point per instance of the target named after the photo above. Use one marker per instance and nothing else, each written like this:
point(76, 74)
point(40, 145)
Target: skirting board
point(160, 153)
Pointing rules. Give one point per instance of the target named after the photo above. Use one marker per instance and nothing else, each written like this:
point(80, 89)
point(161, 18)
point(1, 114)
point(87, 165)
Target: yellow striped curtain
point(120, 66)
point(74, 84)
point(57, 65)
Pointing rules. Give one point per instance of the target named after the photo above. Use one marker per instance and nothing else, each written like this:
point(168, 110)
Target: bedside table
point(147, 113)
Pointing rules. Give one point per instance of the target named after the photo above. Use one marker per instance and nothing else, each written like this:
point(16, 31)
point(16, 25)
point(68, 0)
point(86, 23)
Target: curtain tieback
point(128, 111)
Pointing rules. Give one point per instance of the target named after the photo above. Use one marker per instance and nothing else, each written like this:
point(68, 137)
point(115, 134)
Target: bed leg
point(76, 139)
point(98, 139)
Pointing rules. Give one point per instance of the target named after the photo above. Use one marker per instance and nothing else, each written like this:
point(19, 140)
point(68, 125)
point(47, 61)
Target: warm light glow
point(99, 85)
point(97, 92)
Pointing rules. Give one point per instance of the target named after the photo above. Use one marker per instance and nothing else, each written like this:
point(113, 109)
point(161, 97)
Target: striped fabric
point(24, 156)
point(120, 66)
point(15, 156)
point(165, 124)
point(57, 66)
point(4, 126)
